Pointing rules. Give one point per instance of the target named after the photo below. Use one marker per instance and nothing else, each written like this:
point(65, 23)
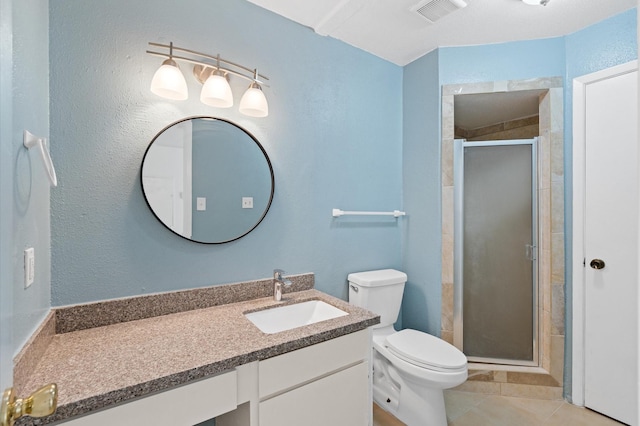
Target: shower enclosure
point(495, 251)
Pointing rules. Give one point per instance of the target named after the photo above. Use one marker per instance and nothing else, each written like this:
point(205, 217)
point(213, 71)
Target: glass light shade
point(216, 92)
point(169, 82)
point(253, 102)
point(533, 2)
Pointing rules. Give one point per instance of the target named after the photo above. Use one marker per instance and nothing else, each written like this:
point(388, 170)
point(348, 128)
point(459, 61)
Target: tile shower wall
point(544, 381)
point(333, 143)
point(523, 128)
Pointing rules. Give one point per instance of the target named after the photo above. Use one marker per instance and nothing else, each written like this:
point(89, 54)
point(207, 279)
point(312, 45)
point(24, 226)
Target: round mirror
point(207, 180)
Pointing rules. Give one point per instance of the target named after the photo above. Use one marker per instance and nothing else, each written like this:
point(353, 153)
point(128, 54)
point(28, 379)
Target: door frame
point(458, 247)
point(580, 85)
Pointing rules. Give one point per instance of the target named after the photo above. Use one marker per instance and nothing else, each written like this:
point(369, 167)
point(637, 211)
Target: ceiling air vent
point(433, 10)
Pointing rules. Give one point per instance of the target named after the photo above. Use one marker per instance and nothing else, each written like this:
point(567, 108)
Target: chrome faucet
point(278, 282)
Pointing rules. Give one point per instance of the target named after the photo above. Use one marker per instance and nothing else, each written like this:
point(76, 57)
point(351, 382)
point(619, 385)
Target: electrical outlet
point(247, 202)
point(29, 267)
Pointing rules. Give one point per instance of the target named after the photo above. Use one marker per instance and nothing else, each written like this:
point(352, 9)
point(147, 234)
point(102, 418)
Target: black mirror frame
point(264, 152)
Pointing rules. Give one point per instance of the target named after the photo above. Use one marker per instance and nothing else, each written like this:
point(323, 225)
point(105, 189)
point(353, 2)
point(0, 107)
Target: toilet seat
point(426, 351)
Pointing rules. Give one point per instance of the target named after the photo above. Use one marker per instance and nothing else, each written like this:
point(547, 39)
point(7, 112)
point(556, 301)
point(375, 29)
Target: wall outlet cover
point(247, 202)
point(201, 204)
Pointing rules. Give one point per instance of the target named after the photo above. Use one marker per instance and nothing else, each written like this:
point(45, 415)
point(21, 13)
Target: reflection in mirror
point(207, 180)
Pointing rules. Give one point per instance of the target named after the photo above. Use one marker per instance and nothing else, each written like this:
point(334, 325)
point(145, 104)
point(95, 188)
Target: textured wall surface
point(505, 61)
point(6, 193)
point(31, 223)
point(334, 136)
point(421, 189)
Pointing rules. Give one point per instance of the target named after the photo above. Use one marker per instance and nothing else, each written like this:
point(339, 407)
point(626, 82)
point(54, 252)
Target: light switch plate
point(201, 204)
point(247, 202)
point(29, 267)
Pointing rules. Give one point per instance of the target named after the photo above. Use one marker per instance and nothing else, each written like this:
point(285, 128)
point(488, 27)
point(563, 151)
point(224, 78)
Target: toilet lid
point(425, 350)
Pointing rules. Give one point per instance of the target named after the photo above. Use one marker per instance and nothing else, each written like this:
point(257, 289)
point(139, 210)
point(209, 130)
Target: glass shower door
point(495, 243)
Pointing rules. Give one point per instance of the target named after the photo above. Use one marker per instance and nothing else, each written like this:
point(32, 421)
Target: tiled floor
point(475, 409)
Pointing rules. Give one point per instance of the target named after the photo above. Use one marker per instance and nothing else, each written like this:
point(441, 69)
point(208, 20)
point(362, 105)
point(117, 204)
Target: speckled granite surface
point(91, 315)
point(98, 367)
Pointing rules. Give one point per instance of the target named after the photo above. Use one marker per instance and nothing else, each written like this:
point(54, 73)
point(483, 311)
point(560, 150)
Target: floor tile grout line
point(556, 410)
point(469, 405)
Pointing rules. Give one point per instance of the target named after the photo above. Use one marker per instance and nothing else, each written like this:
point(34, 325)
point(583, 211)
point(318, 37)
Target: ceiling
point(392, 30)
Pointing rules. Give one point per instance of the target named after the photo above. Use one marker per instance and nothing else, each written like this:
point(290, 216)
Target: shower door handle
point(530, 252)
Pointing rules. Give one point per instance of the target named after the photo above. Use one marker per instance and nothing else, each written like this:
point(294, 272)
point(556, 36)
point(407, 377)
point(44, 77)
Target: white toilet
point(410, 368)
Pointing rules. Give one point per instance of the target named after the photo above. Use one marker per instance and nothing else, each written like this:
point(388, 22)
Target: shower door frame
point(458, 172)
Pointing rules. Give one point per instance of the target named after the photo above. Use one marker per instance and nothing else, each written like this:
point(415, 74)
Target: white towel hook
point(30, 140)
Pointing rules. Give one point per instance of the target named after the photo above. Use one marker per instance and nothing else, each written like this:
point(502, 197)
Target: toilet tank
point(379, 292)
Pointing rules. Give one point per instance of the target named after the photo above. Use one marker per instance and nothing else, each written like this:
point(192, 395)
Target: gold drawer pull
point(41, 403)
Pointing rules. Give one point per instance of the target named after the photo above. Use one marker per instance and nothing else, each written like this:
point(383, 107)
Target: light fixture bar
point(205, 65)
point(204, 55)
point(251, 77)
point(168, 82)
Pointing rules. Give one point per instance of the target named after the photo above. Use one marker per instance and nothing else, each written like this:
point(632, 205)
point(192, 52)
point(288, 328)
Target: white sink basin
point(281, 318)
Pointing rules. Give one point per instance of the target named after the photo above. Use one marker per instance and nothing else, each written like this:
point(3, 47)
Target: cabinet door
point(339, 399)
point(186, 405)
point(292, 369)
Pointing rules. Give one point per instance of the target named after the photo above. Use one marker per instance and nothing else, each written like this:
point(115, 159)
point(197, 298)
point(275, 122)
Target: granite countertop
point(106, 365)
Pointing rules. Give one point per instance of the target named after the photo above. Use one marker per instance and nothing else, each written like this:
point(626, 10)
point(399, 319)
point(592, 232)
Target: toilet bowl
point(410, 368)
point(416, 367)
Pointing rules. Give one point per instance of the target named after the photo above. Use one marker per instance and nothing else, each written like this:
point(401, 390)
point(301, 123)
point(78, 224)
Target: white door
point(610, 246)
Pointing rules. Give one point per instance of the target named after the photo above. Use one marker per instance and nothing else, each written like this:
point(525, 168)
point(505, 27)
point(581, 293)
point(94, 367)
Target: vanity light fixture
point(253, 102)
point(168, 81)
point(216, 91)
point(213, 72)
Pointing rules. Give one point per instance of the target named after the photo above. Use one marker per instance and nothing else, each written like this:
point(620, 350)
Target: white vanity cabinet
point(324, 384)
point(186, 405)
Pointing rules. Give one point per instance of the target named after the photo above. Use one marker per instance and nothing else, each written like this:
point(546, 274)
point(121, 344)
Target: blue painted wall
point(504, 61)
point(333, 142)
point(6, 193)
point(421, 192)
point(30, 191)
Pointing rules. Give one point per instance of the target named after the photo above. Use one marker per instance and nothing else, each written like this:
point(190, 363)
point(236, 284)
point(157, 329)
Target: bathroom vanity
point(307, 386)
point(186, 367)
